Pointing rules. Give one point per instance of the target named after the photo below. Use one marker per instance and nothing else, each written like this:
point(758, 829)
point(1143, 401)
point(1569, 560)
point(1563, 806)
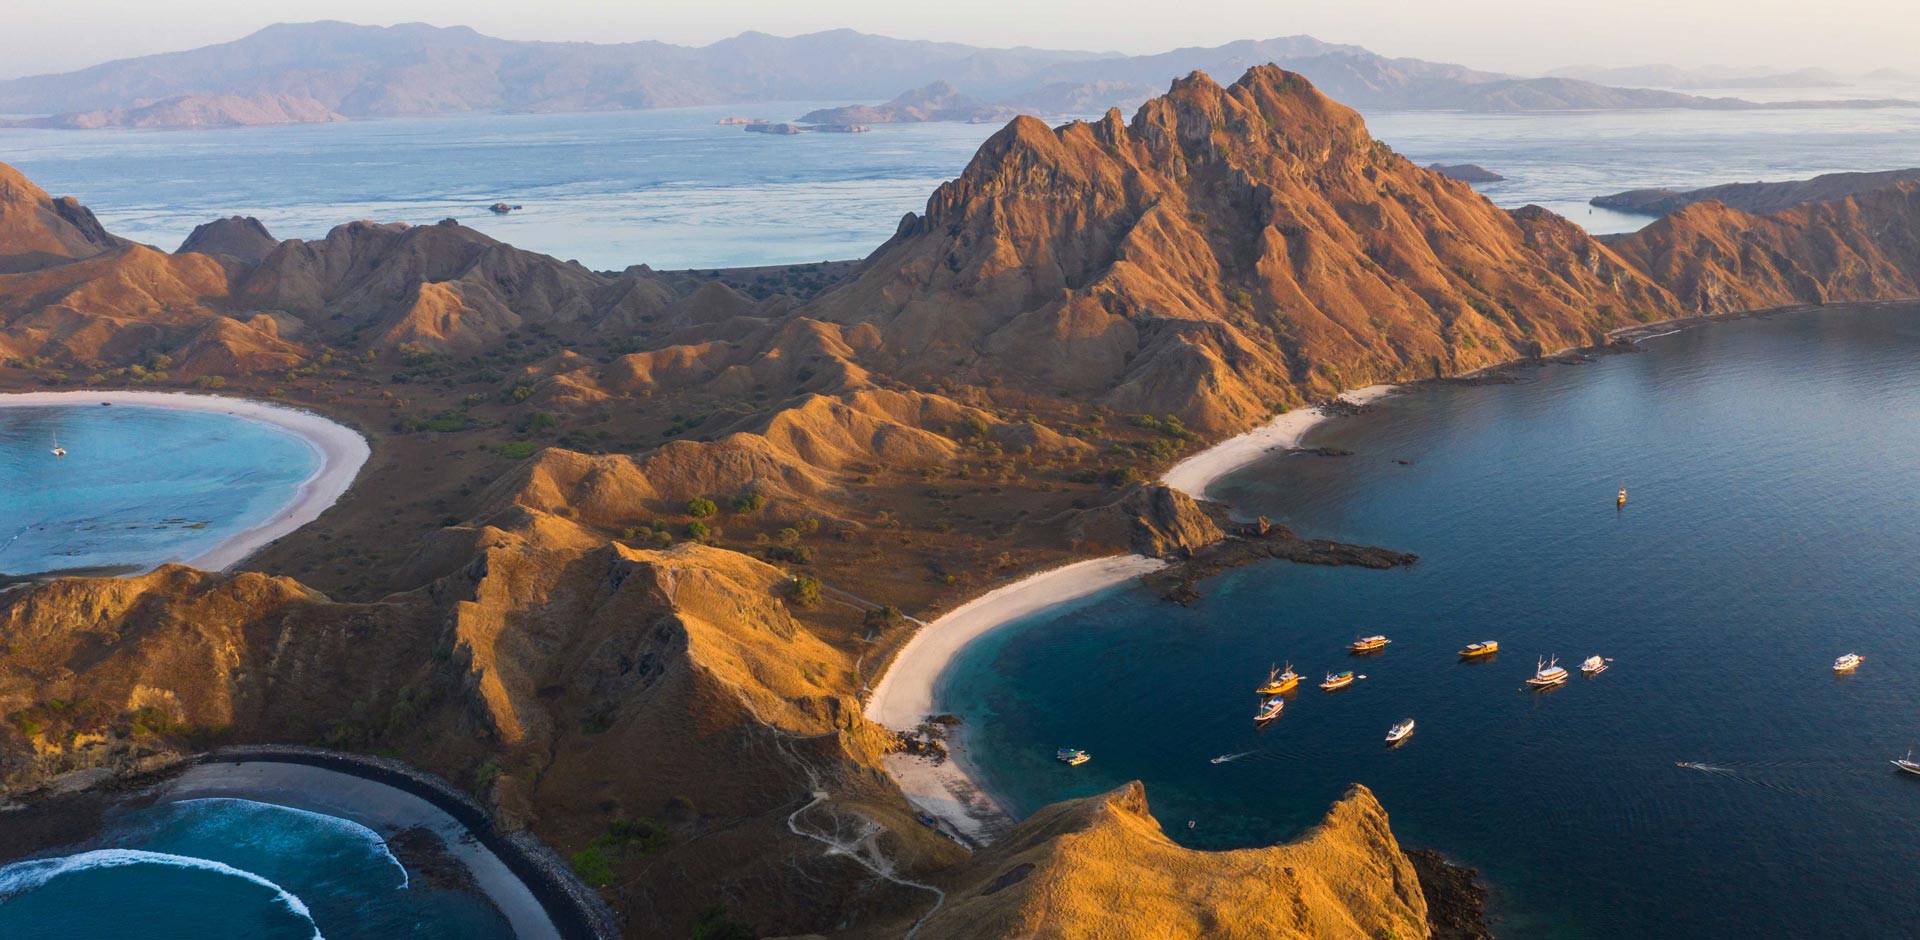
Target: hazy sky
point(1505, 35)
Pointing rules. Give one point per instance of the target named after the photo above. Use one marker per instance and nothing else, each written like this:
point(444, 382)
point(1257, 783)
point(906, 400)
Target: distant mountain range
point(1713, 76)
point(1758, 198)
point(416, 69)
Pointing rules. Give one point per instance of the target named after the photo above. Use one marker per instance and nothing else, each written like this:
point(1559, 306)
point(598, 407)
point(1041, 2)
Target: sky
point(1502, 35)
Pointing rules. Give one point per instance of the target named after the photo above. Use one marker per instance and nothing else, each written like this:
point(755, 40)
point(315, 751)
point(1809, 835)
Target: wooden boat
point(1622, 501)
point(1848, 663)
point(1072, 757)
point(1547, 673)
point(1269, 710)
point(1368, 644)
point(1482, 648)
point(1278, 683)
point(1337, 680)
point(1400, 732)
point(1593, 666)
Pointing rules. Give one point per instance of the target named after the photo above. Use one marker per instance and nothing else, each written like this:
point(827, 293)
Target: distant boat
point(1848, 663)
point(1547, 673)
point(1907, 764)
point(1622, 501)
point(1337, 680)
point(1278, 683)
point(1368, 644)
point(58, 451)
point(1400, 732)
point(1482, 648)
point(1269, 709)
point(1072, 757)
point(1593, 666)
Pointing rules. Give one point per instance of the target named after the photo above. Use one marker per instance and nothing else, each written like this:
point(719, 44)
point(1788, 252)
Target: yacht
point(1072, 757)
point(1482, 648)
point(1400, 732)
point(1593, 666)
point(1368, 644)
point(1278, 683)
point(1848, 663)
point(1270, 709)
point(1337, 680)
point(1547, 673)
point(1907, 764)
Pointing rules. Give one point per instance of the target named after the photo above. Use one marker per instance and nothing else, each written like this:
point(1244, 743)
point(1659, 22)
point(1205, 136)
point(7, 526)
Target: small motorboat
point(1400, 732)
point(1848, 663)
point(1278, 683)
point(1071, 756)
point(1368, 644)
point(1622, 499)
point(1482, 648)
point(1907, 764)
point(1593, 666)
point(1269, 710)
point(58, 451)
point(1547, 673)
point(1337, 680)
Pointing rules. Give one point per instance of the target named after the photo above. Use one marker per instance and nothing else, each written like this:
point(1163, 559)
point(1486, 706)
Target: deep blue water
point(672, 189)
point(1772, 466)
point(139, 486)
point(233, 868)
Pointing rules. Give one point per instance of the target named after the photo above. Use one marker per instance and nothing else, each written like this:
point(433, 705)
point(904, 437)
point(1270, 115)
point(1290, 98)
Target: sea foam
point(25, 876)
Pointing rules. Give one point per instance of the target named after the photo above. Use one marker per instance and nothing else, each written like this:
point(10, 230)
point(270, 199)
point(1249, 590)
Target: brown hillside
point(37, 230)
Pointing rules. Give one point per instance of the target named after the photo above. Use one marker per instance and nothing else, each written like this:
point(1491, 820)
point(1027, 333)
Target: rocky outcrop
point(1466, 172)
point(1150, 519)
point(240, 239)
point(1102, 867)
point(38, 231)
point(1758, 198)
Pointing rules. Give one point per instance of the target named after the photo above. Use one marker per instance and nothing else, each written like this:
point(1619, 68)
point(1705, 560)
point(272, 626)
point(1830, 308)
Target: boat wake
point(1229, 758)
point(1745, 772)
point(22, 877)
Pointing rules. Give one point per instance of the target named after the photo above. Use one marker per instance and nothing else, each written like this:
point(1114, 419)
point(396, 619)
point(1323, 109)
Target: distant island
point(939, 101)
point(196, 111)
point(1760, 197)
point(1467, 172)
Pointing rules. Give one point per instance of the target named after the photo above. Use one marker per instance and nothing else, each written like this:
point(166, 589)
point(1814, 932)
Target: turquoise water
point(672, 189)
point(139, 486)
point(234, 868)
point(1772, 466)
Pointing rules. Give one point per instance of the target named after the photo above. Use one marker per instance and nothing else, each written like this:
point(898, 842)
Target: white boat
point(1547, 673)
point(1400, 732)
point(58, 451)
point(1270, 709)
point(1848, 663)
point(1337, 680)
point(1593, 666)
point(1908, 764)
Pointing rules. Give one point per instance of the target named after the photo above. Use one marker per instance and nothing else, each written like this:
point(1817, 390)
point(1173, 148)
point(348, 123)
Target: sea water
point(139, 486)
point(673, 189)
point(235, 868)
point(1772, 524)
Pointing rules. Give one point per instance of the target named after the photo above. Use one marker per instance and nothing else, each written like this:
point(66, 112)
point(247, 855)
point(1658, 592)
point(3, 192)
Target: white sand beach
point(342, 451)
point(386, 810)
point(1193, 475)
point(904, 697)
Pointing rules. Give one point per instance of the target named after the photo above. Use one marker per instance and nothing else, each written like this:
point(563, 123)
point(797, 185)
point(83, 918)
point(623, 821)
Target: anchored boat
point(1594, 666)
point(1072, 756)
point(1908, 764)
point(1337, 680)
point(1547, 673)
point(1368, 644)
point(1269, 710)
point(1848, 663)
point(1278, 683)
point(1400, 732)
point(1482, 648)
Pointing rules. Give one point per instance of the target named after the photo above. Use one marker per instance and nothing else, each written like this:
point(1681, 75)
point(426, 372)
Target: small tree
point(701, 507)
point(697, 529)
point(749, 503)
point(805, 591)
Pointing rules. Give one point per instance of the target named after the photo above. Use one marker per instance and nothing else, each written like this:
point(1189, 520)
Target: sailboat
point(1908, 764)
point(1278, 683)
point(58, 451)
point(1269, 710)
point(1547, 673)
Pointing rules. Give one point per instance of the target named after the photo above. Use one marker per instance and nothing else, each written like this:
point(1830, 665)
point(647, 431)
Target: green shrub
point(518, 450)
point(701, 507)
